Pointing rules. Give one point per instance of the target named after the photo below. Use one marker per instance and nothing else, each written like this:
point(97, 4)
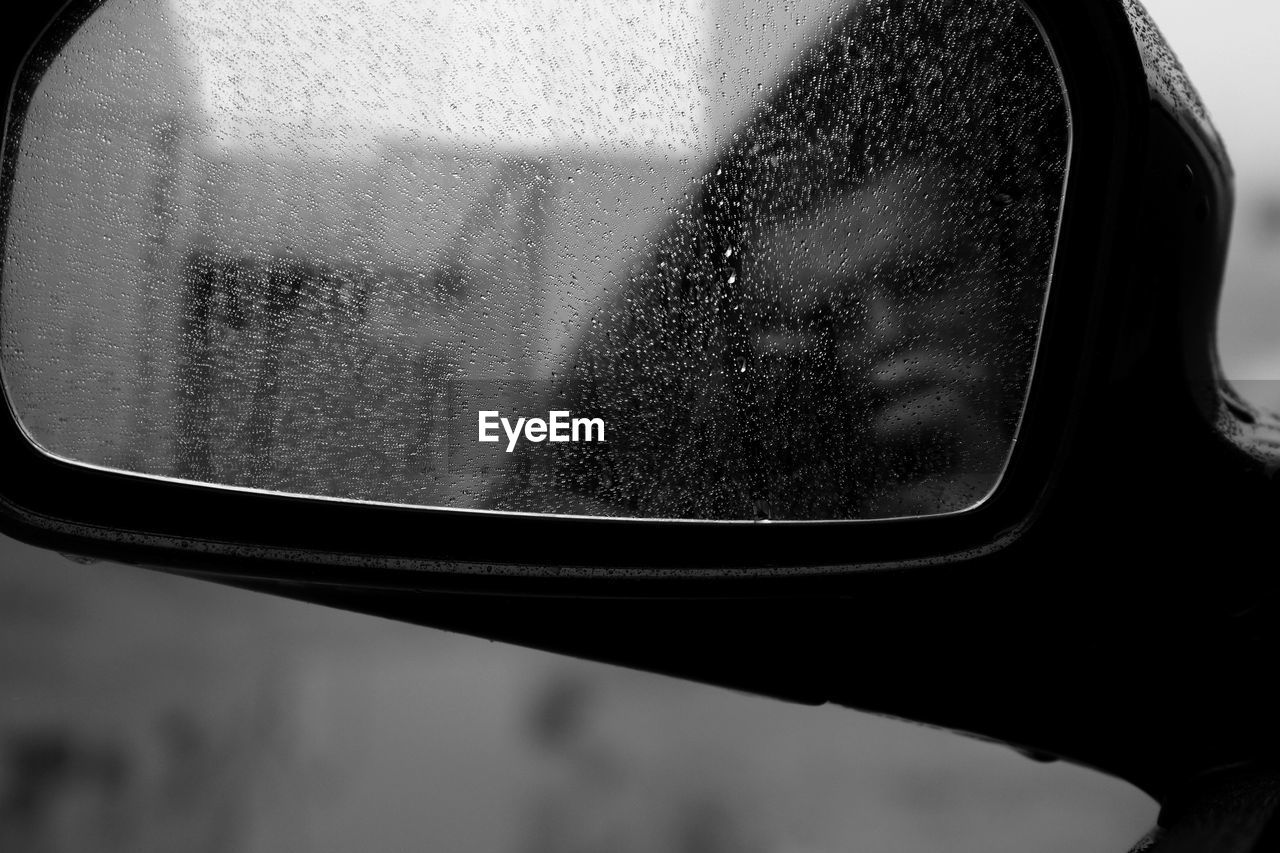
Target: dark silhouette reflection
point(842, 323)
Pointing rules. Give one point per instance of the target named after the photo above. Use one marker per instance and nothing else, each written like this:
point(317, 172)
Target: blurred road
point(141, 712)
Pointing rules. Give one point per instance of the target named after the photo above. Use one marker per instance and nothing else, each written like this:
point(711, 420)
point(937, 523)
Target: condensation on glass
point(725, 260)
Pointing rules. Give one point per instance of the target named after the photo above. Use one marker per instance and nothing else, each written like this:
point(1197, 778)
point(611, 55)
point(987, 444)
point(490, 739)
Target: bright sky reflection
point(552, 74)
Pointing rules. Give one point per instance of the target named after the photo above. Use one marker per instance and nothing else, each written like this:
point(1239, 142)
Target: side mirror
point(860, 355)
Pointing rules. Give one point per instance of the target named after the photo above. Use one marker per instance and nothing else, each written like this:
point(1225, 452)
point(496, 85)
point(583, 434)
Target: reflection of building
point(169, 280)
point(169, 294)
point(95, 237)
point(339, 343)
point(139, 247)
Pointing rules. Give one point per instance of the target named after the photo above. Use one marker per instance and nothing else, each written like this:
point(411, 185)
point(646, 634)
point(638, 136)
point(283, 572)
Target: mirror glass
point(693, 259)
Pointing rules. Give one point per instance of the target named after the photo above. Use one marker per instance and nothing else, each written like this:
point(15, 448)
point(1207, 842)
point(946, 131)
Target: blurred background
point(1229, 53)
point(143, 712)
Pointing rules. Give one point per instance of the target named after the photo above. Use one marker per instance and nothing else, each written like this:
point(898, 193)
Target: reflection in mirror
point(697, 259)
